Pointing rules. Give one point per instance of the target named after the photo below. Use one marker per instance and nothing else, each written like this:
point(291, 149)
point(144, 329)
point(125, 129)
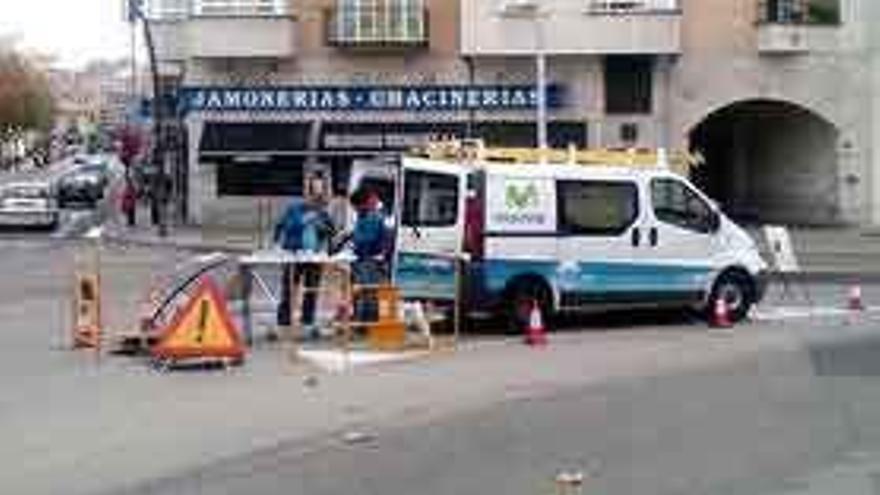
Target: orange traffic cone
point(854, 298)
point(721, 314)
point(536, 334)
point(87, 337)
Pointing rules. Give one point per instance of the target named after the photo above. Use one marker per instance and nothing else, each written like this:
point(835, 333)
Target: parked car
point(28, 204)
point(82, 186)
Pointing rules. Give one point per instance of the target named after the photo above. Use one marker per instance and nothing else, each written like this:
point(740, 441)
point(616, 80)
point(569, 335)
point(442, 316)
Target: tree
point(25, 98)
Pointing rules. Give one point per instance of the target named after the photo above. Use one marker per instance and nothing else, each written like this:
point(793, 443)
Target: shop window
point(596, 208)
point(260, 179)
point(629, 82)
point(430, 199)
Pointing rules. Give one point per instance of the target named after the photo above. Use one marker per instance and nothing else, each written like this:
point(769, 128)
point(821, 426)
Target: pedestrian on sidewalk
point(159, 194)
point(305, 227)
point(129, 203)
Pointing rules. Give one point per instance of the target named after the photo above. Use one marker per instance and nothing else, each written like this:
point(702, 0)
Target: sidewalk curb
point(196, 246)
point(827, 276)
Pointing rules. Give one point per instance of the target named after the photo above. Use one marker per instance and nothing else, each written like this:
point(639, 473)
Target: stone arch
point(769, 160)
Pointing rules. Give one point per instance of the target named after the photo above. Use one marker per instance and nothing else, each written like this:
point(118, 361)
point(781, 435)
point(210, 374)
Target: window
point(676, 204)
point(629, 82)
point(378, 21)
point(430, 199)
point(596, 208)
point(819, 12)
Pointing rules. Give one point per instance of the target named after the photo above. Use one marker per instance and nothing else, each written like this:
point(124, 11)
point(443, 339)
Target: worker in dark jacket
point(371, 241)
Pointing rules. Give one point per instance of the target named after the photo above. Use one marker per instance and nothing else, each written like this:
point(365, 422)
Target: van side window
point(430, 199)
point(596, 208)
point(676, 204)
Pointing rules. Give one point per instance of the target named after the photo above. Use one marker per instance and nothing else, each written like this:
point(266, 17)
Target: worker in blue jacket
point(305, 227)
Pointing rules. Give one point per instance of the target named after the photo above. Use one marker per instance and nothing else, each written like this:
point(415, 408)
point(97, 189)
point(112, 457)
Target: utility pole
point(133, 87)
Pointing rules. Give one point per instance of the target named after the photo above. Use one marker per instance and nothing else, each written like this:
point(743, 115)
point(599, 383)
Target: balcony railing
point(166, 10)
point(633, 6)
point(377, 23)
point(170, 10)
point(240, 8)
point(601, 27)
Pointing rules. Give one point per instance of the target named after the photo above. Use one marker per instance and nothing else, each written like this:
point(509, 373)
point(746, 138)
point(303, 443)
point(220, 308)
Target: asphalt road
point(775, 423)
point(786, 404)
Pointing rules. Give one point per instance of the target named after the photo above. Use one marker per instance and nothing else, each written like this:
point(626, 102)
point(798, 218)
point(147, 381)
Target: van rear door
point(430, 236)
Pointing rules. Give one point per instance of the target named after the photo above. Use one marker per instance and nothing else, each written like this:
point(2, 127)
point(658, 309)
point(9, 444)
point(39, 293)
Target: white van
point(571, 237)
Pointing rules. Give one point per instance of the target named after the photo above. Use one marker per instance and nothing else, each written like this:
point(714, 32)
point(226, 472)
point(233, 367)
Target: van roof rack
point(473, 151)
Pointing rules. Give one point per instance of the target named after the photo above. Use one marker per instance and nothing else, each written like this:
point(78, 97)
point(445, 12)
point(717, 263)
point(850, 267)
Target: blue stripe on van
point(424, 276)
point(431, 277)
point(597, 277)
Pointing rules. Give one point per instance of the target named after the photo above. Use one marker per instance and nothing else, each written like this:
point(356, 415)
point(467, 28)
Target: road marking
point(781, 313)
point(339, 361)
point(94, 232)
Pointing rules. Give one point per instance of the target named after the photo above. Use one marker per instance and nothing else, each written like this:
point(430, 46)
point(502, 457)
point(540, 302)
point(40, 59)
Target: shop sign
point(371, 98)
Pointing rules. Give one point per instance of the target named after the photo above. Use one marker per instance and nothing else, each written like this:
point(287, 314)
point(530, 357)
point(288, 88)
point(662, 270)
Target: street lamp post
point(159, 193)
point(541, 81)
point(535, 12)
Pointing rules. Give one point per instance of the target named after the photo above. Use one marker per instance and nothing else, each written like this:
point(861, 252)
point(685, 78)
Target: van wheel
point(519, 306)
point(737, 290)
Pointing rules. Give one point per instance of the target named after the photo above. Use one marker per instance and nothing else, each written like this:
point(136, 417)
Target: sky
point(72, 31)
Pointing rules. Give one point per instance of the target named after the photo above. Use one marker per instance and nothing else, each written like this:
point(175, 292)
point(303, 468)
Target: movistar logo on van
point(520, 207)
point(521, 197)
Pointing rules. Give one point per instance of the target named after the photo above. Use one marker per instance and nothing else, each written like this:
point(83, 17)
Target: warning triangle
point(203, 329)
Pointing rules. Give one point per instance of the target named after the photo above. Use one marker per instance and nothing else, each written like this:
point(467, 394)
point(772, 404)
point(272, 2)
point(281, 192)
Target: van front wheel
point(737, 291)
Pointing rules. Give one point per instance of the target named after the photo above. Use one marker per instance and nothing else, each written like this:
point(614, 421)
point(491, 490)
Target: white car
point(28, 204)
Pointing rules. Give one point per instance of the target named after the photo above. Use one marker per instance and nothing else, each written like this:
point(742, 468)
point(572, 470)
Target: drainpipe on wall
point(665, 64)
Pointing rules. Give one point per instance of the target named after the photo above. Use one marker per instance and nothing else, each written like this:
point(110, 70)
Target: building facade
point(98, 95)
point(772, 93)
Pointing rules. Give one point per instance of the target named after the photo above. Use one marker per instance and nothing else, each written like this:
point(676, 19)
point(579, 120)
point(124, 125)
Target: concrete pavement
point(79, 425)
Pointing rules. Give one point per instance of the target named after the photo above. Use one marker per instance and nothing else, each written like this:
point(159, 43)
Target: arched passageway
point(769, 161)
